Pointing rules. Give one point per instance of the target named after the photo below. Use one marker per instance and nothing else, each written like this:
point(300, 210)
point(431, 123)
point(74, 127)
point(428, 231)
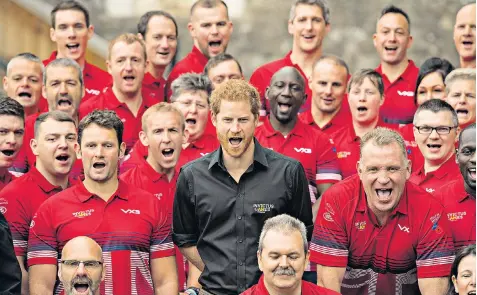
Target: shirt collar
point(352, 137)
point(42, 182)
point(150, 80)
point(199, 55)
point(406, 75)
point(363, 204)
point(449, 166)
point(111, 101)
point(84, 195)
point(258, 156)
point(307, 118)
point(152, 174)
point(200, 142)
point(87, 67)
point(298, 129)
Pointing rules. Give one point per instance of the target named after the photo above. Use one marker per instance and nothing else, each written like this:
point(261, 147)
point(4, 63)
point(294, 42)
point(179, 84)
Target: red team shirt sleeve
point(18, 220)
point(435, 248)
point(327, 165)
point(329, 243)
point(161, 239)
point(42, 243)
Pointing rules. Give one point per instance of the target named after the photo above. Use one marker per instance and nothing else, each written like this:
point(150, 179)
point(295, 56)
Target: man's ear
point(122, 150)
point(34, 146)
point(185, 136)
point(259, 259)
point(143, 138)
point(78, 151)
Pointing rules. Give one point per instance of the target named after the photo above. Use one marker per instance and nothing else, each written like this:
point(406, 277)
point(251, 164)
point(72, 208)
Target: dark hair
point(69, 5)
point(103, 118)
point(209, 4)
point(433, 65)
point(58, 116)
point(11, 107)
point(470, 126)
point(437, 105)
point(218, 59)
point(464, 252)
point(394, 9)
point(145, 18)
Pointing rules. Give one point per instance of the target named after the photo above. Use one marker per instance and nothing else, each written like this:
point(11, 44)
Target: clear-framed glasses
point(388, 170)
point(439, 129)
point(88, 264)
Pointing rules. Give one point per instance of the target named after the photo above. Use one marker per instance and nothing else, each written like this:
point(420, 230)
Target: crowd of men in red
point(124, 182)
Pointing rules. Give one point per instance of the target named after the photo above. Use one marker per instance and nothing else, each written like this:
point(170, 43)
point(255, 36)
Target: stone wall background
point(260, 27)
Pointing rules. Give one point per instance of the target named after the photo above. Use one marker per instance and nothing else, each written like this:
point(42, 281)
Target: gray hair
point(26, 56)
point(190, 82)
point(65, 63)
point(381, 136)
point(457, 75)
point(320, 3)
point(285, 224)
point(436, 106)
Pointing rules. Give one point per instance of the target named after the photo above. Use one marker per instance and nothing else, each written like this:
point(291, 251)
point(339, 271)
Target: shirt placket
point(240, 227)
point(386, 282)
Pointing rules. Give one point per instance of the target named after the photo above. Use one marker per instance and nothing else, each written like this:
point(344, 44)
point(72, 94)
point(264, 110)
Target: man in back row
point(309, 23)
point(210, 29)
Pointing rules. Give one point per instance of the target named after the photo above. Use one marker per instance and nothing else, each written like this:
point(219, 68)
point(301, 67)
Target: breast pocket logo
point(82, 214)
point(263, 208)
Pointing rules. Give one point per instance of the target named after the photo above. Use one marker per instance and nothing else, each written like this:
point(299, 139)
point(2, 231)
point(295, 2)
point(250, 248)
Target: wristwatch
point(192, 291)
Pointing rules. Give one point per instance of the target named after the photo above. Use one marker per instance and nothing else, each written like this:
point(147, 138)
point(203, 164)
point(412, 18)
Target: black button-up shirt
point(224, 218)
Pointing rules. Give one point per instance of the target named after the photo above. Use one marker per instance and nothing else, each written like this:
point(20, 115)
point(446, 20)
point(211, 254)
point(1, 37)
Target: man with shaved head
point(464, 35)
point(81, 267)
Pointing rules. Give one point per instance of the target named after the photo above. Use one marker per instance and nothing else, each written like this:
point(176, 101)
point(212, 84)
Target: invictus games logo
point(82, 214)
point(341, 155)
point(262, 208)
point(360, 225)
point(456, 216)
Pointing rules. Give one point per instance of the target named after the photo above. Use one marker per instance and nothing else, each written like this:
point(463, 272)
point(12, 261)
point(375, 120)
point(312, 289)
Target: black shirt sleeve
point(184, 225)
point(10, 273)
point(301, 203)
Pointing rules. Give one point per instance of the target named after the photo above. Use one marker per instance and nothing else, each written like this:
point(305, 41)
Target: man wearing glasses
point(81, 268)
point(377, 233)
point(435, 131)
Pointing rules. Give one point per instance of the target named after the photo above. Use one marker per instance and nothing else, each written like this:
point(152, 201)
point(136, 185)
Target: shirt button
point(240, 217)
point(240, 241)
point(241, 263)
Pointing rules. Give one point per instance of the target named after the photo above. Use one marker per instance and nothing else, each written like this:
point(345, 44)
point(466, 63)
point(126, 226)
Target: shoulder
point(269, 68)
point(97, 72)
point(346, 192)
point(17, 187)
point(419, 200)
point(451, 192)
point(312, 289)
point(250, 291)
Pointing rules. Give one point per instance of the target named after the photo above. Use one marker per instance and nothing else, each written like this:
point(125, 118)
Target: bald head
point(289, 72)
point(82, 248)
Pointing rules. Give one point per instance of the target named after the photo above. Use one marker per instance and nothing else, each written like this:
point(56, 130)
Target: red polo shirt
point(307, 288)
point(399, 106)
point(413, 151)
point(261, 80)
point(311, 147)
point(145, 177)
point(21, 200)
point(435, 180)
point(347, 148)
point(27, 159)
point(9, 177)
point(132, 124)
point(459, 207)
point(154, 87)
point(340, 120)
point(95, 80)
point(381, 259)
point(132, 228)
point(201, 147)
point(194, 62)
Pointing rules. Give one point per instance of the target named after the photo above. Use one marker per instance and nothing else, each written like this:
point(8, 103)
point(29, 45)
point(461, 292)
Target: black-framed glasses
point(88, 264)
point(439, 129)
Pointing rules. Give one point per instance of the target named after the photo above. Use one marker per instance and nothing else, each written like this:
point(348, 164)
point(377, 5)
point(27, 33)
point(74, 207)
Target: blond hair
point(381, 136)
point(162, 107)
point(457, 75)
point(235, 90)
point(127, 38)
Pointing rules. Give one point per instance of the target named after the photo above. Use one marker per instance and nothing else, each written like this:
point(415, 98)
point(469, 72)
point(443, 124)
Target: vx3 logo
point(404, 228)
point(131, 211)
point(406, 93)
point(303, 150)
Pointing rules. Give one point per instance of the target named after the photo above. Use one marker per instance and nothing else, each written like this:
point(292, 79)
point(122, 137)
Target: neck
point(31, 110)
point(321, 118)
point(431, 166)
point(284, 129)
point(305, 60)
point(56, 180)
point(3, 172)
point(469, 190)
point(296, 290)
point(104, 190)
point(393, 71)
point(81, 60)
point(132, 100)
point(360, 129)
point(156, 71)
point(467, 63)
point(234, 164)
point(161, 170)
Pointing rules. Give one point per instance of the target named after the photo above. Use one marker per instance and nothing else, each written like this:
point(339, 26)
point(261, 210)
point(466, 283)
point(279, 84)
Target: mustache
point(284, 271)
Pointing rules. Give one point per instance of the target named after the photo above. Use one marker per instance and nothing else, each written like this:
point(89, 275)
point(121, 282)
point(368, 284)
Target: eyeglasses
point(439, 129)
point(88, 264)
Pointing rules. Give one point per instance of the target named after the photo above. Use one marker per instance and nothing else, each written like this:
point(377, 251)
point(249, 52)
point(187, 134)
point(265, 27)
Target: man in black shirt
point(10, 274)
point(223, 199)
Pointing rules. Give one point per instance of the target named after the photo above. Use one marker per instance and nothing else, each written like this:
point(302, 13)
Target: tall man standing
point(392, 40)
point(464, 35)
point(70, 30)
point(309, 23)
point(223, 199)
point(210, 28)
